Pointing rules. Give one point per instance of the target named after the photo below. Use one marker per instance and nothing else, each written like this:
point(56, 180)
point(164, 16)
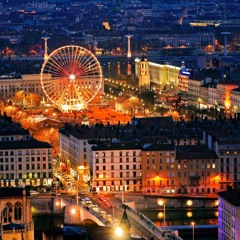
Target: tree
point(19, 97)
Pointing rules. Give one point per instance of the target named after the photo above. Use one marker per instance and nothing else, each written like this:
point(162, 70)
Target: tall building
point(16, 215)
point(229, 215)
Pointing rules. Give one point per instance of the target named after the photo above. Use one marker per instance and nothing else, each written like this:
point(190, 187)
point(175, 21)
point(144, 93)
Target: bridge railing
point(159, 233)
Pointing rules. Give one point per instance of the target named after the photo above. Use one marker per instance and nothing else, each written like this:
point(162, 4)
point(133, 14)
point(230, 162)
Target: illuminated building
point(224, 91)
point(162, 76)
point(144, 75)
point(185, 169)
point(23, 160)
point(16, 214)
point(226, 143)
point(197, 170)
point(158, 169)
point(29, 83)
point(229, 215)
point(117, 167)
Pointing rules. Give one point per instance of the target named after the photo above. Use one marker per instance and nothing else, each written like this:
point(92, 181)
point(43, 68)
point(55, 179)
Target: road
point(143, 229)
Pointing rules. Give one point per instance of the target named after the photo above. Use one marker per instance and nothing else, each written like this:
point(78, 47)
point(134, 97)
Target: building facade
point(229, 215)
point(23, 160)
point(116, 167)
point(16, 214)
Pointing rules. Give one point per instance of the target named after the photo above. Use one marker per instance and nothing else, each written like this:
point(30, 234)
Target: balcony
point(12, 228)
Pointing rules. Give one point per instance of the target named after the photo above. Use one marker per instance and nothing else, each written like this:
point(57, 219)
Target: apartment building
point(229, 215)
point(226, 144)
point(23, 159)
point(116, 167)
point(184, 169)
point(197, 170)
point(158, 169)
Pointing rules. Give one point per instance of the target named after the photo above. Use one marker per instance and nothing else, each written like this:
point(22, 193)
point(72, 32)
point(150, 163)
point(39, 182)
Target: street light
point(122, 191)
point(193, 226)
point(118, 232)
point(162, 203)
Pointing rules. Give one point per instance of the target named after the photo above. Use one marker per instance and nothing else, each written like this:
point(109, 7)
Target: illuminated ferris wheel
point(71, 77)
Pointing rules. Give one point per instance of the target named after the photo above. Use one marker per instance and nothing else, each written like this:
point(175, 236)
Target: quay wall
point(153, 202)
point(45, 204)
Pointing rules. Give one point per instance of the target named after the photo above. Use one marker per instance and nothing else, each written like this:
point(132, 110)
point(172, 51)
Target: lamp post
point(193, 226)
point(122, 191)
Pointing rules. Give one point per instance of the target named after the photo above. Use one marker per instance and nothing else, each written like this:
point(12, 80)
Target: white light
point(72, 77)
point(119, 232)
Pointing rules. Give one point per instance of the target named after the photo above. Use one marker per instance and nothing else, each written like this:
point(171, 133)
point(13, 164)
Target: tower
point(45, 47)
point(129, 54)
point(225, 34)
point(144, 75)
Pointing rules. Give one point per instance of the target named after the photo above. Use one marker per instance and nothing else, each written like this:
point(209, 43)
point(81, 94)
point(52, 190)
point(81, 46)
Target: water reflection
point(182, 217)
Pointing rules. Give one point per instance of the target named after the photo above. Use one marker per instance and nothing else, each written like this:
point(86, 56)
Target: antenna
point(225, 33)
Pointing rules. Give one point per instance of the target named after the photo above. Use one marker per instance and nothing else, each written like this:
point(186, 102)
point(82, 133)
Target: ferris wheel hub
point(72, 77)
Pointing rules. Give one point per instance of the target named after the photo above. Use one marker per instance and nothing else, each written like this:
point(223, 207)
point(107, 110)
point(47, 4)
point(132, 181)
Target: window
point(7, 213)
point(17, 211)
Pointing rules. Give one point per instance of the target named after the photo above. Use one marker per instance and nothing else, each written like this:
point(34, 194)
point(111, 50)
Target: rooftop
point(231, 196)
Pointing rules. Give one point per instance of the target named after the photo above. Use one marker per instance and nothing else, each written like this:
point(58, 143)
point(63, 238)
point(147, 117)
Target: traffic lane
point(117, 211)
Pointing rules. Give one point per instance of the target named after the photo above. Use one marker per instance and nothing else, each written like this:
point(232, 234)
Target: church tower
point(144, 75)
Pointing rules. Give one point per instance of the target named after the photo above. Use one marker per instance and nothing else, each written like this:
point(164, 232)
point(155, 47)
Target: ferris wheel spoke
point(87, 63)
point(63, 61)
point(86, 93)
point(87, 72)
point(56, 67)
point(89, 67)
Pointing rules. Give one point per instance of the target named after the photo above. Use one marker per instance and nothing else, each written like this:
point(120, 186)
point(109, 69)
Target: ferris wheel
point(71, 77)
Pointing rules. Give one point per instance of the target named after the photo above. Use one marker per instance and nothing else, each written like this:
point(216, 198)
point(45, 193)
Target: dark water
point(185, 218)
point(173, 218)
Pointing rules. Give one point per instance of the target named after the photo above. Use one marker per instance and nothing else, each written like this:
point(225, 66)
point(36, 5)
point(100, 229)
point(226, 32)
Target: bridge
point(75, 214)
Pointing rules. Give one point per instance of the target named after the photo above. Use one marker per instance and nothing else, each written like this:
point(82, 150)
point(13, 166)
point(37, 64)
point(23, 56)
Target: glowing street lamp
point(118, 232)
point(193, 226)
